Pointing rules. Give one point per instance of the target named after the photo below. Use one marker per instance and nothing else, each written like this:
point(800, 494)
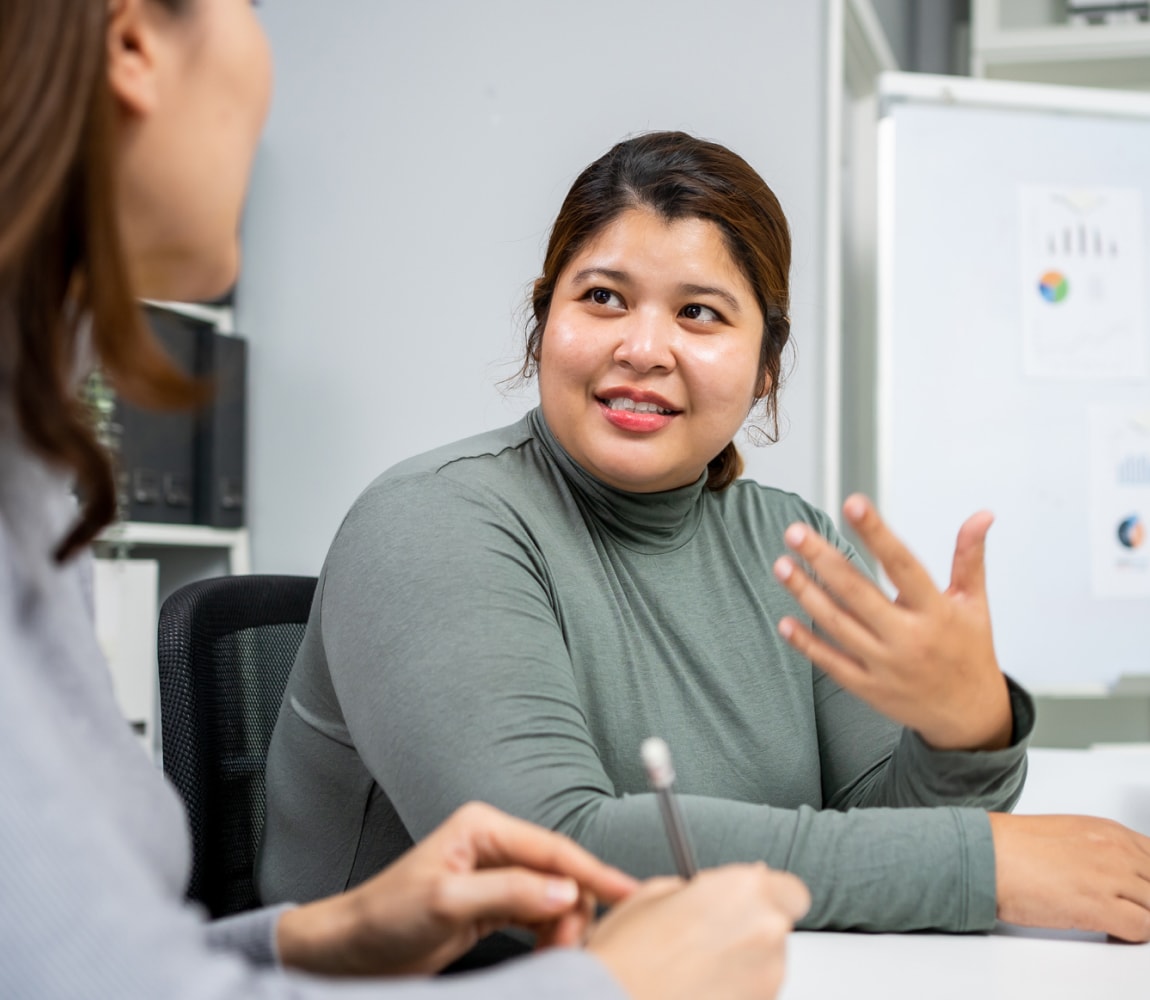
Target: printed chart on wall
point(1120, 501)
point(1082, 283)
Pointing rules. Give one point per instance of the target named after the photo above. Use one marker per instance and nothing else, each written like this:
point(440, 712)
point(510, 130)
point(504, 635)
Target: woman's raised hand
point(925, 659)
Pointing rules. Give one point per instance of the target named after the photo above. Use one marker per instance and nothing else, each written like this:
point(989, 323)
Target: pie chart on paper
point(1053, 286)
point(1132, 532)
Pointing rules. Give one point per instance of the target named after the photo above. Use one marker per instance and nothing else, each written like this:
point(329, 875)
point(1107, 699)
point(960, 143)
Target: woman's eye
point(701, 314)
point(604, 297)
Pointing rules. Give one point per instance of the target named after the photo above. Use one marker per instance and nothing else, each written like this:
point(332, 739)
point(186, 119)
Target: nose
point(647, 343)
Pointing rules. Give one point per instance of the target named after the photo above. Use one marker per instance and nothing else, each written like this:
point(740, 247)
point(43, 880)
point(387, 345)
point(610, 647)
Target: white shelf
point(179, 554)
point(223, 317)
point(145, 533)
point(235, 541)
point(1036, 48)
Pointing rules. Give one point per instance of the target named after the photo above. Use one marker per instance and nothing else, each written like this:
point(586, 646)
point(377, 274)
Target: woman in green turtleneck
point(507, 618)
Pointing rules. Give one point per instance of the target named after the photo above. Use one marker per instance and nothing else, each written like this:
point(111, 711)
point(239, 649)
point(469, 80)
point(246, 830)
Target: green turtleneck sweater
point(493, 623)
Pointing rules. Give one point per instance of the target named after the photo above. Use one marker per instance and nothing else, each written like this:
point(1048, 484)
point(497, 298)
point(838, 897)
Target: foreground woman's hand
point(479, 871)
point(1072, 872)
point(925, 659)
point(723, 934)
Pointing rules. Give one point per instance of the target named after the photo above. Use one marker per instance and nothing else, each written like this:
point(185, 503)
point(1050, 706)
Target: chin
point(216, 282)
point(633, 480)
point(196, 277)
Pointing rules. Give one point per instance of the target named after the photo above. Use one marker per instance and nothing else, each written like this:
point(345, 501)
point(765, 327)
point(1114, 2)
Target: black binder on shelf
point(157, 450)
point(221, 446)
point(188, 467)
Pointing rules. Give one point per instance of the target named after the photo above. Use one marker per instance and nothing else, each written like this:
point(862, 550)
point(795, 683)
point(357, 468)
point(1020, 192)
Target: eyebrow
point(721, 293)
point(600, 272)
point(686, 289)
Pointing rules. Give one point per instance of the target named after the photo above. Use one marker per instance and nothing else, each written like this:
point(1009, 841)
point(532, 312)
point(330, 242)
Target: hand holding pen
point(722, 933)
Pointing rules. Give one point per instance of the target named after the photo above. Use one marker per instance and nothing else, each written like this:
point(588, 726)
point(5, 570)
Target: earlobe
point(132, 44)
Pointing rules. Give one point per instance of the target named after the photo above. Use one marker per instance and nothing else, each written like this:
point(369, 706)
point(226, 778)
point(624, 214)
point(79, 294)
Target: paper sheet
point(1083, 283)
point(1120, 501)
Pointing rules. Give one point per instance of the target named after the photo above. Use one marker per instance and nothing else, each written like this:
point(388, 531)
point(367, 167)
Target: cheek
point(262, 76)
point(243, 71)
point(725, 375)
point(566, 352)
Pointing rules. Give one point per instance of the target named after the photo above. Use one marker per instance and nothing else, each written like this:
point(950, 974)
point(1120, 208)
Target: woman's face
point(649, 360)
point(193, 91)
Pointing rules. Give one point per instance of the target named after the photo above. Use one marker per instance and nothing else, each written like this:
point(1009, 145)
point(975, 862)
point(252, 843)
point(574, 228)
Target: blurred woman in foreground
point(127, 131)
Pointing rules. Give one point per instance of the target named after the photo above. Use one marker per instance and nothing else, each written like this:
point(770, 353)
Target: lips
point(639, 400)
point(636, 411)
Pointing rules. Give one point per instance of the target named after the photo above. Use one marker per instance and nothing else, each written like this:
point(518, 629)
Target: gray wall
point(415, 157)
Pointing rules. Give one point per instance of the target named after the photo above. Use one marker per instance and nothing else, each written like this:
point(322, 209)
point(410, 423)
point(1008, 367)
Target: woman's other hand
point(479, 871)
point(1072, 872)
point(723, 934)
point(925, 659)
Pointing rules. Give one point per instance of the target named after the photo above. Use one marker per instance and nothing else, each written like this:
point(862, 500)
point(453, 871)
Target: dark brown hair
point(62, 265)
point(679, 177)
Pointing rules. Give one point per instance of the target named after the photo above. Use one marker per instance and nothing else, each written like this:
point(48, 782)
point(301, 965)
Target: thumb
point(968, 572)
point(504, 896)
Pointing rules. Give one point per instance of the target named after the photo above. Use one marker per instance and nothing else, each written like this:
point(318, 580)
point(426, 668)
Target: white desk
point(1113, 782)
point(1012, 963)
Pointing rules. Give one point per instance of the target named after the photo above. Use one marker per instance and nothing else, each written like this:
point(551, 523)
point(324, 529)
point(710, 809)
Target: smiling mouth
point(631, 406)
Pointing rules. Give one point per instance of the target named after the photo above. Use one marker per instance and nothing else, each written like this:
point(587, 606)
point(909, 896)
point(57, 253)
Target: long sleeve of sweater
point(481, 640)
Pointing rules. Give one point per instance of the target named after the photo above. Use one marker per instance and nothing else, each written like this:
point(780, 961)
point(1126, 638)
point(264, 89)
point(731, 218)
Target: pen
point(657, 760)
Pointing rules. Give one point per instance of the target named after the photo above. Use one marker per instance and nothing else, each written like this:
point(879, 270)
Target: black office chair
point(226, 647)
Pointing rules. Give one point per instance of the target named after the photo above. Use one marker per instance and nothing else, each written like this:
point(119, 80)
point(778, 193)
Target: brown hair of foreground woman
point(63, 272)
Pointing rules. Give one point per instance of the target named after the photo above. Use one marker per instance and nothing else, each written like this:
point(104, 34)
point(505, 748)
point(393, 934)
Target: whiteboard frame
point(901, 88)
point(1009, 94)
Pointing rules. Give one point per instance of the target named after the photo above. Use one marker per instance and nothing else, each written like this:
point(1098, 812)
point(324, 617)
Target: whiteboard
point(966, 418)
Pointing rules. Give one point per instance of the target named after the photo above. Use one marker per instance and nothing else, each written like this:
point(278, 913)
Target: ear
point(132, 50)
point(536, 287)
point(763, 387)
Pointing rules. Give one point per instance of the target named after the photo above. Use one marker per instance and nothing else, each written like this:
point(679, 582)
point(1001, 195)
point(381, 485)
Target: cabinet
point(138, 565)
point(1032, 40)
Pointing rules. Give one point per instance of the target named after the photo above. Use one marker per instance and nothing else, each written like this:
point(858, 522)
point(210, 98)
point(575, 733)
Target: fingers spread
point(852, 589)
point(908, 575)
point(846, 671)
point(968, 571)
point(836, 621)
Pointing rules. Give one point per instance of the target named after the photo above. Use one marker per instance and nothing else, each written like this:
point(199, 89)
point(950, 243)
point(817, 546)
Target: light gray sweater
point(94, 851)
point(495, 623)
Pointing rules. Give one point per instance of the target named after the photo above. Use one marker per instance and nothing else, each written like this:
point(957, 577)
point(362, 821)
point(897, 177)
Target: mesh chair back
point(226, 647)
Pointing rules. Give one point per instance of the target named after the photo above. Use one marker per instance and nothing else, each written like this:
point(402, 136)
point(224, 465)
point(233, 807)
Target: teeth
point(623, 403)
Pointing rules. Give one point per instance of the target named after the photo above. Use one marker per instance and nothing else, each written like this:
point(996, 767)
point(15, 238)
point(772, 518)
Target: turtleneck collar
point(643, 522)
